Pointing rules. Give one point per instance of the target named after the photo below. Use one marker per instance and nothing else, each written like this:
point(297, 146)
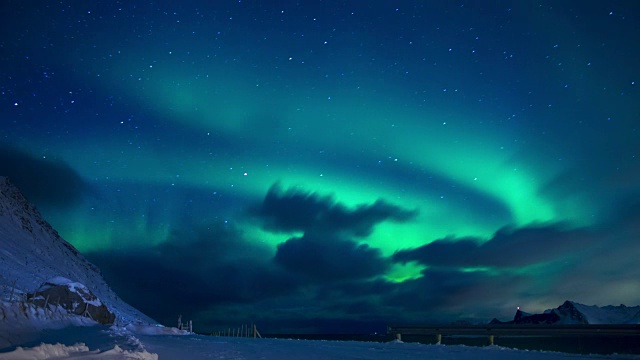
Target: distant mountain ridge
point(575, 313)
point(32, 252)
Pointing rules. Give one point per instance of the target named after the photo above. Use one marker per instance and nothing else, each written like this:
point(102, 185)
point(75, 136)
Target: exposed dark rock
point(75, 298)
point(546, 318)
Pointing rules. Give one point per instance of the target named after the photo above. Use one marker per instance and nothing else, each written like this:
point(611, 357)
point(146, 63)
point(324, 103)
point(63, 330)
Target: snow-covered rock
point(74, 298)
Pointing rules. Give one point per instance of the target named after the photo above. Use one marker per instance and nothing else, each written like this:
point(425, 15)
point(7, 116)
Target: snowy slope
point(32, 252)
point(604, 315)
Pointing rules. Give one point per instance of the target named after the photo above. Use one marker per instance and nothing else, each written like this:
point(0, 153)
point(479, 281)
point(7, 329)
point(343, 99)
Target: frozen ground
point(97, 342)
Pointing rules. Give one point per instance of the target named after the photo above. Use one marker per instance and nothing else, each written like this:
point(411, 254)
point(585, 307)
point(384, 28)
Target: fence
point(507, 330)
point(242, 331)
point(185, 326)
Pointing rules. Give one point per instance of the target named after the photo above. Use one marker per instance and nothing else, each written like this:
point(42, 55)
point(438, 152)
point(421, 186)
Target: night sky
point(332, 166)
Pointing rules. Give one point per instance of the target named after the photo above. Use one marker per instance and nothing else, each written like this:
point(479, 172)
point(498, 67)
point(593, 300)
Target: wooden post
point(191, 326)
point(256, 333)
point(399, 337)
point(439, 339)
point(490, 339)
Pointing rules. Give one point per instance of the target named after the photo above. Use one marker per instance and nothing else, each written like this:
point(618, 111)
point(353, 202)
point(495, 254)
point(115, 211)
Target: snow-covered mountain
point(575, 313)
point(571, 312)
point(32, 252)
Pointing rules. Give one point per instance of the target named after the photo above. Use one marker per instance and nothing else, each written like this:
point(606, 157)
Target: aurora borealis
point(330, 166)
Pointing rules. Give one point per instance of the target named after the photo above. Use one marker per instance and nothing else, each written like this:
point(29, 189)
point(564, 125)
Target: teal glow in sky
point(337, 165)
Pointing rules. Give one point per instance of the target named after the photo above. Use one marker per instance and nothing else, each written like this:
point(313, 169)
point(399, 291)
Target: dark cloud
point(219, 270)
point(208, 266)
point(326, 280)
point(536, 267)
point(44, 182)
point(444, 295)
point(315, 284)
point(507, 248)
point(322, 258)
point(295, 210)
